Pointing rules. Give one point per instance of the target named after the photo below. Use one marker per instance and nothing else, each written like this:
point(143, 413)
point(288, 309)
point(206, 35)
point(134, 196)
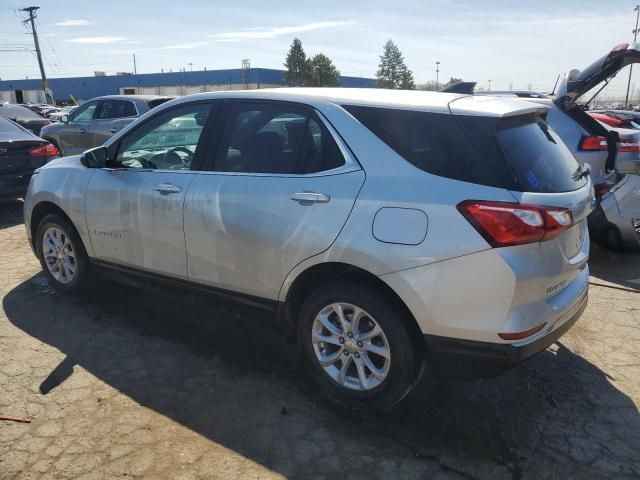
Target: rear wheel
point(359, 345)
point(62, 254)
point(614, 238)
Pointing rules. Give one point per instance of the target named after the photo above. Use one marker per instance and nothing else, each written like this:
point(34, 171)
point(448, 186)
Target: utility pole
point(135, 70)
point(32, 15)
point(437, 74)
point(489, 84)
point(635, 36)
point(190, 66)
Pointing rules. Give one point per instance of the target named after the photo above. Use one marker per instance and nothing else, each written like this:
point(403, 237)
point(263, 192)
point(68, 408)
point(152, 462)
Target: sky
point(517, 45)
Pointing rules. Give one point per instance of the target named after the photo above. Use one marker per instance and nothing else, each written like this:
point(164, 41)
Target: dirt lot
point(128, 384)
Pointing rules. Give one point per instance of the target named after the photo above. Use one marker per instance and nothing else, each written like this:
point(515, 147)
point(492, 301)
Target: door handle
point(82, 130)
point(167, 188)
point(307, 198)
point(113, 130)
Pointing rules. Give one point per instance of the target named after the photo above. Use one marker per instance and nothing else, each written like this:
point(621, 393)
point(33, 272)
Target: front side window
point(167, 141)
point(276, 138)
point(116, 109)
point(84, 112)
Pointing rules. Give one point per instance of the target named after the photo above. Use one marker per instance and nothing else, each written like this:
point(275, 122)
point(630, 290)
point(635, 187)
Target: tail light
point(521, 335)
point(46, 150)
point(593, 143)
point(628, 146)
point(504, 223)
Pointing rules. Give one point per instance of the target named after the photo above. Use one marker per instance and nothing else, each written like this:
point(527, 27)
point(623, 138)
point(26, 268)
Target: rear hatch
point(537, 168)
point(579, 82)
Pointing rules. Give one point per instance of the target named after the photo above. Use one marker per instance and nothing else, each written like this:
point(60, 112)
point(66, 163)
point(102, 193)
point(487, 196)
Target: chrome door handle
point(167, 188)
point(82, 130)
point(113, 130)
point(310, 197)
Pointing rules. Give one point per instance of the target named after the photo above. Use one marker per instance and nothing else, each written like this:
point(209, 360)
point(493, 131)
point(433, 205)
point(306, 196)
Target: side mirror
point(64, 118)
point(95, 158)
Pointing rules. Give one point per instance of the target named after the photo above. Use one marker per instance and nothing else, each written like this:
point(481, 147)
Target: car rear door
point(112, 116)
point(280, 188)
point(134, 210)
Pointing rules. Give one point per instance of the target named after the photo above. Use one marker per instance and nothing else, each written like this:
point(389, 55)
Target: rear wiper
point(582, 171)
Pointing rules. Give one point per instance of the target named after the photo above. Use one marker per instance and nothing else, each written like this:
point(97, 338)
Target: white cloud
point(250, 34)
point(96, 40)
point(182, 46)
point(74, 23)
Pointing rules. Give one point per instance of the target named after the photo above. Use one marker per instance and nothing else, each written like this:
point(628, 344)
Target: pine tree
point(392, 71)
point(297, 73)
point(322, 72)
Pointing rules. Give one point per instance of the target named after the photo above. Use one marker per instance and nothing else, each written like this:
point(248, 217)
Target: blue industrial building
point(167, 83)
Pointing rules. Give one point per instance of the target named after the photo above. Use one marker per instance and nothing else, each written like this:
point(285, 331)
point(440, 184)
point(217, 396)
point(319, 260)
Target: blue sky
point(519, 43)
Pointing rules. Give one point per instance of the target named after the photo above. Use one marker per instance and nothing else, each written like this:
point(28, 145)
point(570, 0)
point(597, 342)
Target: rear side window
point(276, 138)
point(116, 109)
point(17, 112)
point(158, 101)
point(433, 142)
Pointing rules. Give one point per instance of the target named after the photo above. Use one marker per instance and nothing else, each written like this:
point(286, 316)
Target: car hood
point(578, 82)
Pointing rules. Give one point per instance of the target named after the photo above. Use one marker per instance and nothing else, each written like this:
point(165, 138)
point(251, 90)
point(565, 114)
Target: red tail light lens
point(504, 223)
point(521, 335)
point(628, 146)
point(593, 143)
point(46, 150)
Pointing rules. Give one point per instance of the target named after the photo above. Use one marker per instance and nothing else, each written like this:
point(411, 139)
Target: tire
point(396, 374)
point(72, 273)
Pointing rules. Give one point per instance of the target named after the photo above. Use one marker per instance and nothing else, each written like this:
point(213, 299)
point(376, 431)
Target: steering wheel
point(185, 161)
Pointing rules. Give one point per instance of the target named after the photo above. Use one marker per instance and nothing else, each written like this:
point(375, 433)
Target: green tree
point(407, 82)
point(392, 71)
point(297, 73)
point(322, 72)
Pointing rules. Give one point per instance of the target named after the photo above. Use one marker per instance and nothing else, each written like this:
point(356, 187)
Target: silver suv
point(97, 120)
point(375, 225)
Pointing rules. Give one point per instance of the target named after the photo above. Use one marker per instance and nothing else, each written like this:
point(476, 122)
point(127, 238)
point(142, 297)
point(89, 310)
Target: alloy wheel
point(351, 346)
point(59, 255)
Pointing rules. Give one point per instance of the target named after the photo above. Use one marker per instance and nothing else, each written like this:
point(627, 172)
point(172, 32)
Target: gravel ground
point(133, 383)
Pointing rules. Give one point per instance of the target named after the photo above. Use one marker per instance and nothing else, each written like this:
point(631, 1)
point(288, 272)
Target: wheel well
point(41, 210)
point(324, 273)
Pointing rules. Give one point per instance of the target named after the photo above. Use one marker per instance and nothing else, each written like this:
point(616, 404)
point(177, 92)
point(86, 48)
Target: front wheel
point(359, 345)
point(62, 254)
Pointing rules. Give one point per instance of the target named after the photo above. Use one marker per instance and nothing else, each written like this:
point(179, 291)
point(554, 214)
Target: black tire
point(405, 359)
point(79, 283)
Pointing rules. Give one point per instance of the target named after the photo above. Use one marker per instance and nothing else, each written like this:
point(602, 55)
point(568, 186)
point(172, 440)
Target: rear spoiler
point(465, 88)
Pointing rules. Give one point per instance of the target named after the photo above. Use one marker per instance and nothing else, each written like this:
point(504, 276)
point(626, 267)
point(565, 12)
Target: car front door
point(134, 209)
point(113, 116)
point(279, 191)
point(75, 137)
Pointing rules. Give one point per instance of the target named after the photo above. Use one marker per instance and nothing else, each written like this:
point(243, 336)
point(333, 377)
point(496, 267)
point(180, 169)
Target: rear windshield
point(521, 153)
point(17, 112)
point(8, 128)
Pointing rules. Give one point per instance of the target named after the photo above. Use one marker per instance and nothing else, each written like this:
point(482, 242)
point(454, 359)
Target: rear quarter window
point(433, 142)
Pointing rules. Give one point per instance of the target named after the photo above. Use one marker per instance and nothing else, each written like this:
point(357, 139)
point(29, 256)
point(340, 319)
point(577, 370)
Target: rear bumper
point(14, 184)
point(467, 359)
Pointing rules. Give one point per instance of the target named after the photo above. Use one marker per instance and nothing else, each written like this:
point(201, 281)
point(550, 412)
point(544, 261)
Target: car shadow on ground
point(619, 267)
point(10, 213)
point(237, 383)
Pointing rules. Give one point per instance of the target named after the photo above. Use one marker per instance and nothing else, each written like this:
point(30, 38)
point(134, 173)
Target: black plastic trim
point(472, 360)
